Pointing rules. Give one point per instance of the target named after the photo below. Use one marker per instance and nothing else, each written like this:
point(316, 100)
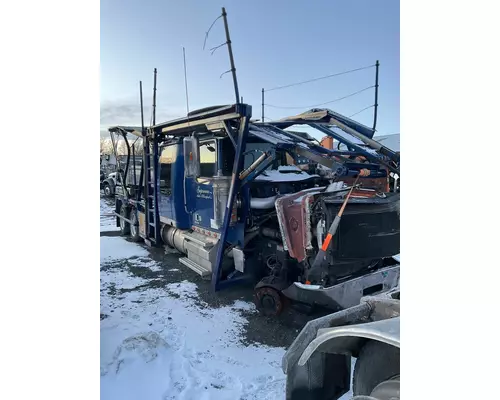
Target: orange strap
point(327, 241)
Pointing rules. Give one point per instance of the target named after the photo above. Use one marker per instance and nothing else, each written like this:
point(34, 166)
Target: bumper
point(346, 294)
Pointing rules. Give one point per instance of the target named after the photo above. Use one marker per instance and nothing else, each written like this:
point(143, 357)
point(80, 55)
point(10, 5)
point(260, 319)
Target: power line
point(321, 104)
point(320, 78)
point(360, 111)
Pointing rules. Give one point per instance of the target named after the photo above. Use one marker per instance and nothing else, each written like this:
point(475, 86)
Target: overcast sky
point(275, 43)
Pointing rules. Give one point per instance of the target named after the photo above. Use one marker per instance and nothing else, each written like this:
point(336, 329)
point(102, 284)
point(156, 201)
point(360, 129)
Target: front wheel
point(376, 373)
point(268, 301)
point(107, 190)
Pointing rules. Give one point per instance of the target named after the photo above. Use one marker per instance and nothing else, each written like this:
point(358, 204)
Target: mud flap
point(310, 381)
point(324, 376)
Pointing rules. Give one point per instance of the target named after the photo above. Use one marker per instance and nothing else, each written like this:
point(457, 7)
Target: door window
point(167, 158)
point(208, 158)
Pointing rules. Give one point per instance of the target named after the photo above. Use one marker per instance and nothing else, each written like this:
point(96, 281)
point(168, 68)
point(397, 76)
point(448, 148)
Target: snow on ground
point(113, 248)
point(108, 219)
point(166, 343)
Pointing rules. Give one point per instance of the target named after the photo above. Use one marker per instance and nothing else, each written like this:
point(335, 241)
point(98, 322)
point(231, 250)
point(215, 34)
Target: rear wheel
point(376, 373)
point(134, 226)
point(124, 225)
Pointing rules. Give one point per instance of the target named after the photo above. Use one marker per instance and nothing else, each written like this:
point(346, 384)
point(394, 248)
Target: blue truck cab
point(245, 201)
point(187, 202)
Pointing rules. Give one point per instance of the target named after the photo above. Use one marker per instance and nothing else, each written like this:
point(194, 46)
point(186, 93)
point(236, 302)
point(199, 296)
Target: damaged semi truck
point(266, 203)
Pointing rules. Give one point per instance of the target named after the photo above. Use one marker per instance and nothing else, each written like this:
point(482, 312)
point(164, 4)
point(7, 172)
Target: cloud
point(111, 113)
point(129, 113)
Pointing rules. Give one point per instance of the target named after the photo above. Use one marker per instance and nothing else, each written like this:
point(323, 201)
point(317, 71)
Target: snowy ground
point(108, 219)
point(165, 343)
point(163, 337)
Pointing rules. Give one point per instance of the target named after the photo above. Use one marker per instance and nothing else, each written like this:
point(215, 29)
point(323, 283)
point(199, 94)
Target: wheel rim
point(269, 302)
point(107, 190)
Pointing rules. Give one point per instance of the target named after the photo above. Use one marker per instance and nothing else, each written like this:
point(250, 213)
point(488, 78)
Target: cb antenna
point(231, 58)
point(186, 82)
point(230, 50)
point(377, 64)
point(154, 99)
point(142, 109)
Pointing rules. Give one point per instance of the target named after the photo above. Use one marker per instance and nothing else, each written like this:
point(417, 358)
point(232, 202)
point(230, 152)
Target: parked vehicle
point(248, 201)
point(114, 179)
point(109, 184)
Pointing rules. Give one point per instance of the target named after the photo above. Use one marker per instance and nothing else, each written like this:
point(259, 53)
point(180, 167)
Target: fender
point(326, 344)
point(349, 339)
point(111, 182)
point(354, 321)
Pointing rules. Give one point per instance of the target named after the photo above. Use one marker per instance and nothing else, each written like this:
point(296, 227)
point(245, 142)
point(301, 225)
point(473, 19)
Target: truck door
point(167, 158)
point(171, 197)
point(200, 197)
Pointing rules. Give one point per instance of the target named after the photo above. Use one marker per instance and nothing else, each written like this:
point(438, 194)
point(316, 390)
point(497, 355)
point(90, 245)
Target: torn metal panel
point(294, 219)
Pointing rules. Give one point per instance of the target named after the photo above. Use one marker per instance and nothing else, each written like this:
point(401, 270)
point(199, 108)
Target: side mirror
point(191, 157)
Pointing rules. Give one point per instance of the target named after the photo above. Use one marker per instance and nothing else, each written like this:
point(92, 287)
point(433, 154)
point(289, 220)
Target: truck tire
point(124, 225)
point(134, 229)
point(107, 190)
point(377, 363)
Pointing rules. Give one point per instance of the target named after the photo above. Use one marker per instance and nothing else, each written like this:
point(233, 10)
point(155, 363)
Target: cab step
point(200, 270)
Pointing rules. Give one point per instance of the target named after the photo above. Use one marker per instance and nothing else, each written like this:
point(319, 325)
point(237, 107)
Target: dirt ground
point(272, 331)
